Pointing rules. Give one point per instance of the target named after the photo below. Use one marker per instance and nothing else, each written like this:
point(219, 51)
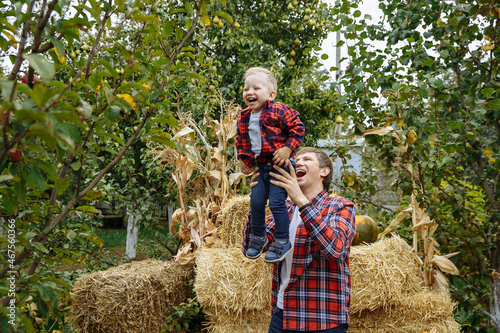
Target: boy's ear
point(272, 96)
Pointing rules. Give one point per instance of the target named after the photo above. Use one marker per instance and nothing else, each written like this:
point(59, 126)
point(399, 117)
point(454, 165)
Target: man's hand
point(288, 181)
point(281, 155)
point(244, 168)
point(254, 177)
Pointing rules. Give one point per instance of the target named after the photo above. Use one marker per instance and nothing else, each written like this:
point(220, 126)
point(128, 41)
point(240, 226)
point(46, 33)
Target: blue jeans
point(276, 325)
point(277, 197)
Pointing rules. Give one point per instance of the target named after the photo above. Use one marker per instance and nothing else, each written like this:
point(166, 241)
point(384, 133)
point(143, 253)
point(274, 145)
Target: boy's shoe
point(278, 251)
point(257, 245)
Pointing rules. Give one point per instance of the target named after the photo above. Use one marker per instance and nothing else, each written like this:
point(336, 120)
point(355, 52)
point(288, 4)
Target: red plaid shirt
point(279, 126)
point(318, 294)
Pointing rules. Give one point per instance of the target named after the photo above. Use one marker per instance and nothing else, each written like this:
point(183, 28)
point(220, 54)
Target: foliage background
point(115, 77)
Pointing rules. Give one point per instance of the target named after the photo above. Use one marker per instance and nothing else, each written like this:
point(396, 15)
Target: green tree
point(266, 34)
point(87, 98)
point(435, 87)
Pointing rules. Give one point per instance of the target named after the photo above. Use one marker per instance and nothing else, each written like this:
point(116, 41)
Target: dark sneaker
point(257, 245)
point(278, 251)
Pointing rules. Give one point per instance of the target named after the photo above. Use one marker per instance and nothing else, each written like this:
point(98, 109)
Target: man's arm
point(333, 228)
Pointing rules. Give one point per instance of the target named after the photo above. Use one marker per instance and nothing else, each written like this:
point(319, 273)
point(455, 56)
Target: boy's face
point(257, 91)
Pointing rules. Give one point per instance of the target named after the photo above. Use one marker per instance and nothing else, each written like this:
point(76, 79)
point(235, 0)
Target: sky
point(367, 7)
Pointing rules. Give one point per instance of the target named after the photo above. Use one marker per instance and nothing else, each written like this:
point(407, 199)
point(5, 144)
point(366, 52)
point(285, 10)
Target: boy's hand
point(244, 168)
point(281, 155)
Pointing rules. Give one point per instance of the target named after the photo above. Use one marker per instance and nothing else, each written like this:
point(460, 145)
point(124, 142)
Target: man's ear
point(325, 171)
point(272, 96)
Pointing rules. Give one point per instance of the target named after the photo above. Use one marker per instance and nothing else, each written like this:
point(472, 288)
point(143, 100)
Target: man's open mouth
point(300, 173)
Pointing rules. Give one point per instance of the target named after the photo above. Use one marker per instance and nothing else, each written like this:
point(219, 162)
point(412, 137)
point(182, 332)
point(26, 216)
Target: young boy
point(268, 133)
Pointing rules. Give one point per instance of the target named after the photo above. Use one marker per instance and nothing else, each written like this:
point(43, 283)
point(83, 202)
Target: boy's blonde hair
point(260, 70)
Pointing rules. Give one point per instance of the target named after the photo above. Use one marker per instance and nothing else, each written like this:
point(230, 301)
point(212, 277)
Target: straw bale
point(226, 279)
point(445, 326)
point(231, 219)
point(222, 320)
point(383, 273)
point(134, 297)
point(424, 307)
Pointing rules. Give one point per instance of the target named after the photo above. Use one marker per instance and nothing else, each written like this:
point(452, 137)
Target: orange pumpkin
point(366, 230)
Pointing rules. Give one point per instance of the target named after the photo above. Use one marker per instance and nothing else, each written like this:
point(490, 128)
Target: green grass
point(118, 237)
point(113, 237)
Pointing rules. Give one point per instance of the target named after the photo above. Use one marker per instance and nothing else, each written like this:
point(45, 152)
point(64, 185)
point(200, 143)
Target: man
point(311, 286)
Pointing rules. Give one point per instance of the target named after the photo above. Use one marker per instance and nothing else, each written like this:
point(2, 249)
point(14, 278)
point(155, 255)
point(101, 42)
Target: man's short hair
point(324, 161)
point(261, 70)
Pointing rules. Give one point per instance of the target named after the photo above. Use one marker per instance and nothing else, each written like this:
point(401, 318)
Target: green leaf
point(110, 68)
point(40, 247)
point(494, 104)
point(30, 115)
point(4, 178)
point(189, 7)
point(125, 53)
point(20, 188)
point(179, 33)
point(191, 74)
point(87, 209)
point(48, 168)
point(94, 239)
point(487, 92)
point(76, 165)
point(62, 185)
point(114, 111)
point(41, 65)
point(47, 293)
point(7, 87)
point(58, 45)
point(36, 177)
point(29, 235)
point(224, 15)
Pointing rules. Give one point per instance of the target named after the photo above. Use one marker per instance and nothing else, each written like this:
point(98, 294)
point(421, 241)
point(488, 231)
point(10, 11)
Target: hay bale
point(227, 279)
point(232, 218)
point(383, 273)
point(222, 320)
point(135, 297)
point(445, 326)
point(388, 294)
point(420, 312)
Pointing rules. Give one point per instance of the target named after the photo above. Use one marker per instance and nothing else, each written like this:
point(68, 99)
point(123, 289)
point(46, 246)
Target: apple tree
point(85, 81)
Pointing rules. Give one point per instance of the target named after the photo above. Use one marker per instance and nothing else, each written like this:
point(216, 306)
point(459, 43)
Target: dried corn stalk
point(203, 183)
point(421, 225)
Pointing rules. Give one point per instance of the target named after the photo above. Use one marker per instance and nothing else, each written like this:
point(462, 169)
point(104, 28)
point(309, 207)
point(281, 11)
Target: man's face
point(257, 91)
point(309, 174)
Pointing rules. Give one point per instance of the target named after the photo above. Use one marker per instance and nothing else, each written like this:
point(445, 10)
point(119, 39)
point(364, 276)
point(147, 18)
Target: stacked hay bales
point(387, 289)
point(234, 291)
point(134, 297)
point(388, 293)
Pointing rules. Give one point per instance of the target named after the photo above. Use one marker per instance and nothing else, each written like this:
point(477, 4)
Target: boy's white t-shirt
point(286, 264)
point(254, 132)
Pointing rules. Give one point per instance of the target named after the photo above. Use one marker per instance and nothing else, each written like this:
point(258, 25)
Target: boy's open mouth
point(251, 100)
